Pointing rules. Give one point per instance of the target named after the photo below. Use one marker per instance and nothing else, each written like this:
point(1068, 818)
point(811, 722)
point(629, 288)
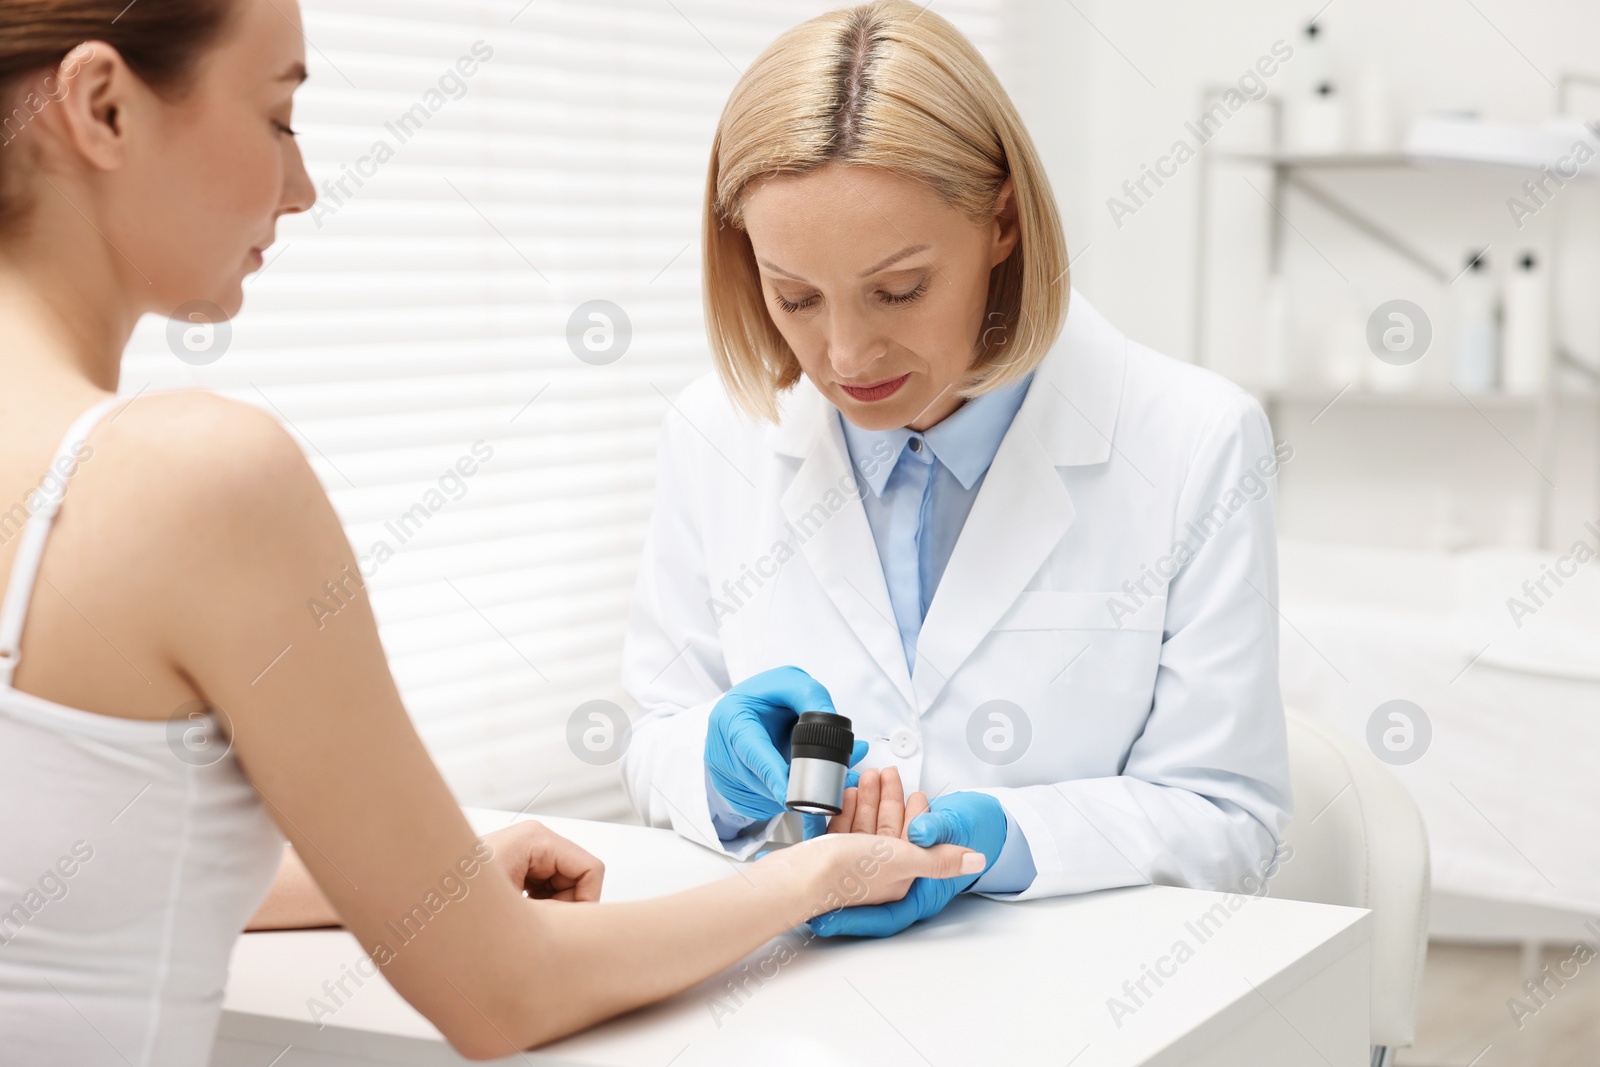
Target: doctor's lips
point(876, 390)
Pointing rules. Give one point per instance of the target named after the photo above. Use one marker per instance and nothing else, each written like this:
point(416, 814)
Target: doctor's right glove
point(974, 820)
point(747, 739)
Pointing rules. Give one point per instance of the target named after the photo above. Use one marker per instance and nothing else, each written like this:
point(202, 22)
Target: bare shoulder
point(200, 447)
point(194, 472)
point(199, 431)
point(190, 522)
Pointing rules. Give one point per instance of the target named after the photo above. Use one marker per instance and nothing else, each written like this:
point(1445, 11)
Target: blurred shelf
point(1439, 147)
point(1429, 398)
point(1459, 143)
point(1330, 161)
point(1385, 161)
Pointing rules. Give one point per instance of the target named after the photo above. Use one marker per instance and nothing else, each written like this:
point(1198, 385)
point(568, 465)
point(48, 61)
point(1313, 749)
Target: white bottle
point(1447, 533)
point(1527, 327)
point(1317, 124)
point(1477, 364)
point(1276, 369)
point(1345, 357)
point(1315, 111)
point(1372, 126)
point(1521, 522)
point(1314, 61)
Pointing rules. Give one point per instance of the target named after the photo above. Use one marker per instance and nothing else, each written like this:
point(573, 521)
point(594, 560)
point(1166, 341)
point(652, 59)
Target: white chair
point(1359, 841)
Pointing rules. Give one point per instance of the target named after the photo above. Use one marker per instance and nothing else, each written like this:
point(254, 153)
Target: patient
point(169, 711)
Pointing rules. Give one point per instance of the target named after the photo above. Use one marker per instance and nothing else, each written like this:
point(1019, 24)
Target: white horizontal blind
point(423, 309)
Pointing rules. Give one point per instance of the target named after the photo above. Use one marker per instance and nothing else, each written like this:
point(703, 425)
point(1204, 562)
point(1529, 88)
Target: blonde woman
point(933, 490)
point(156, 556)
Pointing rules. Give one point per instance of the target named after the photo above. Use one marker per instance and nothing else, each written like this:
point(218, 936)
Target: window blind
point(485, 168)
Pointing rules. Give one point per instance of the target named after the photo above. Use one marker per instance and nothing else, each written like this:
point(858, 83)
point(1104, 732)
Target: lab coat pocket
point(1088, 661)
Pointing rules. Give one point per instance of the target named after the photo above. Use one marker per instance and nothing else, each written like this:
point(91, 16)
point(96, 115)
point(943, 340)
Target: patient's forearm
point(294, 901)
point(618, 957)
point(587, 962)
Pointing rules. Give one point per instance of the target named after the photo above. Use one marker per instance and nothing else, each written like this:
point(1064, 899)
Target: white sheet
point(1510, 784)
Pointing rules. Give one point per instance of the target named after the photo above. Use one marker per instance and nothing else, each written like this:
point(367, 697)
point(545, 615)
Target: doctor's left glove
point(973, 820)
point(747, 739)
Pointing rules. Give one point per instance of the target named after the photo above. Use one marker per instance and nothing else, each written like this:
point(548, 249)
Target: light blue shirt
point(919, 501)
point(916, 505)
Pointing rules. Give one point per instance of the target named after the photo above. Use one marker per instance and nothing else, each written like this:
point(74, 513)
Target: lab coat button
point(903, 743)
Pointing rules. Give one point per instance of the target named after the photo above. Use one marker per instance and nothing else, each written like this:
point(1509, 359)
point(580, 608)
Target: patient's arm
point(294, 902)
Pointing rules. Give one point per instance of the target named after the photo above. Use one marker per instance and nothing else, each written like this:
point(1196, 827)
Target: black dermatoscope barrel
point(819, 755)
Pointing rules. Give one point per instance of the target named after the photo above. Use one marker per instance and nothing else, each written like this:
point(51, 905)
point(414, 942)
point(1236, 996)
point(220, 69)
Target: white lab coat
point(1157, 749)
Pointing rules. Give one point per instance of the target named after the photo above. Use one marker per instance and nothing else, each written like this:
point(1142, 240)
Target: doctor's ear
point(93, 95)
point(1007, 228)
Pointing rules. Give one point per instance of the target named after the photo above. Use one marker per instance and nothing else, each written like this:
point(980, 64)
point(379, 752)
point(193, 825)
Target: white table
point(985, 982)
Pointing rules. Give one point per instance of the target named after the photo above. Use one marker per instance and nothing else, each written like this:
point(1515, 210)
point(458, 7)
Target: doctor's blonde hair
point(891, 85)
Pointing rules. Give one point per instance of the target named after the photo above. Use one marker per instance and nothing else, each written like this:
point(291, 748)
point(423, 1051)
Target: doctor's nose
point(854, 346)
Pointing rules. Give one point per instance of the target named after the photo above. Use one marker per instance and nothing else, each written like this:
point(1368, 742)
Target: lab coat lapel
point(1023, 508)
point(1021, 513)
point(825, 516)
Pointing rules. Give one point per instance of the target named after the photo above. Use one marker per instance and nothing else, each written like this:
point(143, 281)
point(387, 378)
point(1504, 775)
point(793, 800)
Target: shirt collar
point(965, 441)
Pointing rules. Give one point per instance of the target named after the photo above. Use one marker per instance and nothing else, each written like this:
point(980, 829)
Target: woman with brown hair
point(149, 766)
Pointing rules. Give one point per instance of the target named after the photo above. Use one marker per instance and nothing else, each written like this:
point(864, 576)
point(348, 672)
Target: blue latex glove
point(974, 820)
point(747, 741)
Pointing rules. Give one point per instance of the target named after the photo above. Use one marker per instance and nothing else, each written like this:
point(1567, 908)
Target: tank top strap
point(42, 505)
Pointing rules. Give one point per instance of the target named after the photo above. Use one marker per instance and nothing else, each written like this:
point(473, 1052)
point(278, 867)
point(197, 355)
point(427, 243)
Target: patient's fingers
point(558, 869)
point(842, 822)
point(878, 805)
point(867, 793)
point(916, 804)
point(891, 803)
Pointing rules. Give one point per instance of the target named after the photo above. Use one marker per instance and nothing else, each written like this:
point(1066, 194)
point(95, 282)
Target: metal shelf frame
point(1290, 173)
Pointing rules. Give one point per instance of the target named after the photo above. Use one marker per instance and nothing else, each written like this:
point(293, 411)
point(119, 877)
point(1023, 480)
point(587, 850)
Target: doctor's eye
point(906, 297)
point(792, 306)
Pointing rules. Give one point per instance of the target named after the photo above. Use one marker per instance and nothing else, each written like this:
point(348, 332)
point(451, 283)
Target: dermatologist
point(930, 488)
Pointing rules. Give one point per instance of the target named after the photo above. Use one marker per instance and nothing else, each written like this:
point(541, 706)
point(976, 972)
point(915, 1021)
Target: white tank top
point(132, 853)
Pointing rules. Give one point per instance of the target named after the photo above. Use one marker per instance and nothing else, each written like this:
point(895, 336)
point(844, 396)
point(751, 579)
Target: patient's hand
point(539, 862)
point(546, 865)
point(878, 805)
